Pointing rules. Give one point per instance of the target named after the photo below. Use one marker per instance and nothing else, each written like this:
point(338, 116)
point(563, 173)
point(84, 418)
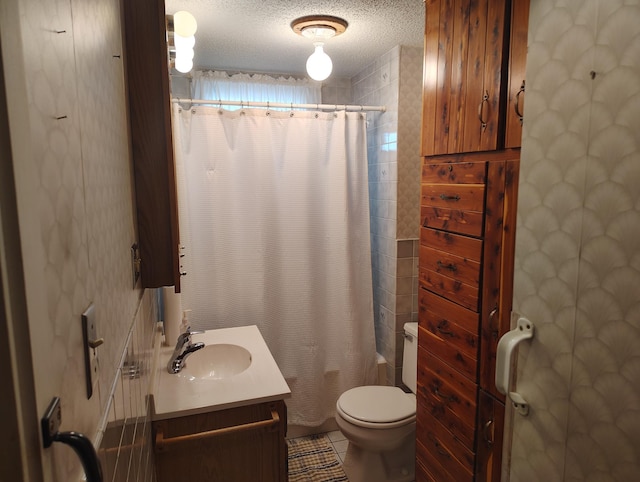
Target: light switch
point(91, 344)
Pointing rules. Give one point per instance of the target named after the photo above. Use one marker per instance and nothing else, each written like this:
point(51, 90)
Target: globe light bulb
point(184, 24)
point(183, 64)
point(181, 42)
point(319, 65)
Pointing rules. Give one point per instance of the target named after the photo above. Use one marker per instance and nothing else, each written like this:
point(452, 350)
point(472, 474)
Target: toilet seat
point(377, 407)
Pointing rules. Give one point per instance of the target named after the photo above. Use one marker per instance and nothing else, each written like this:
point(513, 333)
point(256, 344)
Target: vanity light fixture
point(319, 29)
point(184, 28)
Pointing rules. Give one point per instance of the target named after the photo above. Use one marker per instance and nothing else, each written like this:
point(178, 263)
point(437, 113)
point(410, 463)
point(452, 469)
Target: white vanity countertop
point(175, 396)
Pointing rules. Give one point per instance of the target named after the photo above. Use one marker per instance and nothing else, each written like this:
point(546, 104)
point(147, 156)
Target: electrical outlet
point(91, 344)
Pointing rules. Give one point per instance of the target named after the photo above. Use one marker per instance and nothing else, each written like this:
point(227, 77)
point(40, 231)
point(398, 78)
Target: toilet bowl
point(380, 423)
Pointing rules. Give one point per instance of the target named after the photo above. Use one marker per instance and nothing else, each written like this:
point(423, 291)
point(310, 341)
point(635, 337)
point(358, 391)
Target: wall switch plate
point(91, 343)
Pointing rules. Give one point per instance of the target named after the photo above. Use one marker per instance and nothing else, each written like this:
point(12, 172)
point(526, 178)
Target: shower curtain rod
point(334, 107)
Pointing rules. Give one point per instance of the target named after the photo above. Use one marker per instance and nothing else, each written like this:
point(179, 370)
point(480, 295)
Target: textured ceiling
point(255, 36)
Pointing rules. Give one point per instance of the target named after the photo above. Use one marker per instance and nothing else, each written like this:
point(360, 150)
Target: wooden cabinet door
point(517, 61)
point(244, 444)
point(147, 74)
point(499, 248)
point(489, 438)
point(463, 83)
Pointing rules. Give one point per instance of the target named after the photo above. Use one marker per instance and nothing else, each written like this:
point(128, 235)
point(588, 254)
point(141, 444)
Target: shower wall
point(393, 80)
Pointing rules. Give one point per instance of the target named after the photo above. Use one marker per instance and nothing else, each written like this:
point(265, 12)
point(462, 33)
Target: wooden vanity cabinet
point(148, 94)
point(475, 53)
point(465, 278)
point(243, 444)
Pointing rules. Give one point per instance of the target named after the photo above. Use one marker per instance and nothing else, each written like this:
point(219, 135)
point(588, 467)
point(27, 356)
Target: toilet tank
point(410, 356)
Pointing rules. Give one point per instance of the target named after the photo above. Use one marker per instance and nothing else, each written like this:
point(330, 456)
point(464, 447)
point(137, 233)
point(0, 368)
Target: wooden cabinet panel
point(453, 169)
point(454, 220)
point(463, 88)
point(459, 268)
point(465, 275)
point(498, 274)
point(147, 73)
point(464, 246)
point(439, 310)
point(490, 436)
point(434, 430)
point(450, 288)
point(517, 67)
point(466, 197)
point(441, 459)
point(453, 327)
point(422, 473)
point(459, 359)
point(245, 444)
point(435, 471)
point(448, 400)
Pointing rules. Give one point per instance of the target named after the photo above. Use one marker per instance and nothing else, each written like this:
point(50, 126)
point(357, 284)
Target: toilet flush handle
point(506, 346)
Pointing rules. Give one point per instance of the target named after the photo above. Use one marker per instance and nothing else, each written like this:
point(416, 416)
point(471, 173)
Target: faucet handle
point(188, 331)
point(185, 337)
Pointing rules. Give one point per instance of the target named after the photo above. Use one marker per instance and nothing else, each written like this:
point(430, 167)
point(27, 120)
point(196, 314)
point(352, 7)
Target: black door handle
point(79, 443)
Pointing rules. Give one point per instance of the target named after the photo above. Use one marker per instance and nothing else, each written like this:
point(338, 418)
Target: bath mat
point(313, 459)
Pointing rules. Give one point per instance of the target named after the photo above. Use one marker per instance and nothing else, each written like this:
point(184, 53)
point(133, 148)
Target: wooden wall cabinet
point(244, 444)
point(148, 93)
point(465, 277)
point(471, 75)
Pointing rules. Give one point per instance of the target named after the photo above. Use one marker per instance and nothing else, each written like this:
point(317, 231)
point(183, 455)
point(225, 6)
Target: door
point(18, 415)
point(577, 276)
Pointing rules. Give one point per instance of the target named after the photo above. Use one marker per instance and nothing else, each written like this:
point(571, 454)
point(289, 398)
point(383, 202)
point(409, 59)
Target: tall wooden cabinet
point(475, 53)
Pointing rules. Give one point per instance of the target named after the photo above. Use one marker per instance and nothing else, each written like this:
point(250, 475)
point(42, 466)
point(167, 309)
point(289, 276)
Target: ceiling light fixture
point(184, 29)
point(319, 29)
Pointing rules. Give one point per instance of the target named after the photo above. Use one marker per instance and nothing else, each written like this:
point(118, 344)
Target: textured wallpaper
point(578, 256)
point(74, 190)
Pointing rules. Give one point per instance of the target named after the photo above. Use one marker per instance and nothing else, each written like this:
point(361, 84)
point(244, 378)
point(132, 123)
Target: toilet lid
point(377, 404)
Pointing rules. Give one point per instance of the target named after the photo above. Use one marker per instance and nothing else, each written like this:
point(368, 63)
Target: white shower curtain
point(274, 214)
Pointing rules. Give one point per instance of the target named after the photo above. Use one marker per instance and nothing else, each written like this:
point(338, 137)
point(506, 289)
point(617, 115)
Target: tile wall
point(336, 91)
point(395, 81)
point(126, 449)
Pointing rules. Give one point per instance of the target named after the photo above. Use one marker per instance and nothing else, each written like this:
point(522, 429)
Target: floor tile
point(336, 436)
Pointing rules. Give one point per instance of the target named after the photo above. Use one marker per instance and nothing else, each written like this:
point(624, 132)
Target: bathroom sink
point(215, 362)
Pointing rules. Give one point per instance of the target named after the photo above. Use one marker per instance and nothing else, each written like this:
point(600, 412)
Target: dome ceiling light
point(319, 29)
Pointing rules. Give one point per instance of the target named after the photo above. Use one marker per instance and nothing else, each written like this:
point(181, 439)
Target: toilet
point(380, 424)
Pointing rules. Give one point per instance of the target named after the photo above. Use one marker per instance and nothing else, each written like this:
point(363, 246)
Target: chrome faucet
point(183, 349)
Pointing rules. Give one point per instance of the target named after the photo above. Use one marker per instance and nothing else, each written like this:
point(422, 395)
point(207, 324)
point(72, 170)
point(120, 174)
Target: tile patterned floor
point(339, 443)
